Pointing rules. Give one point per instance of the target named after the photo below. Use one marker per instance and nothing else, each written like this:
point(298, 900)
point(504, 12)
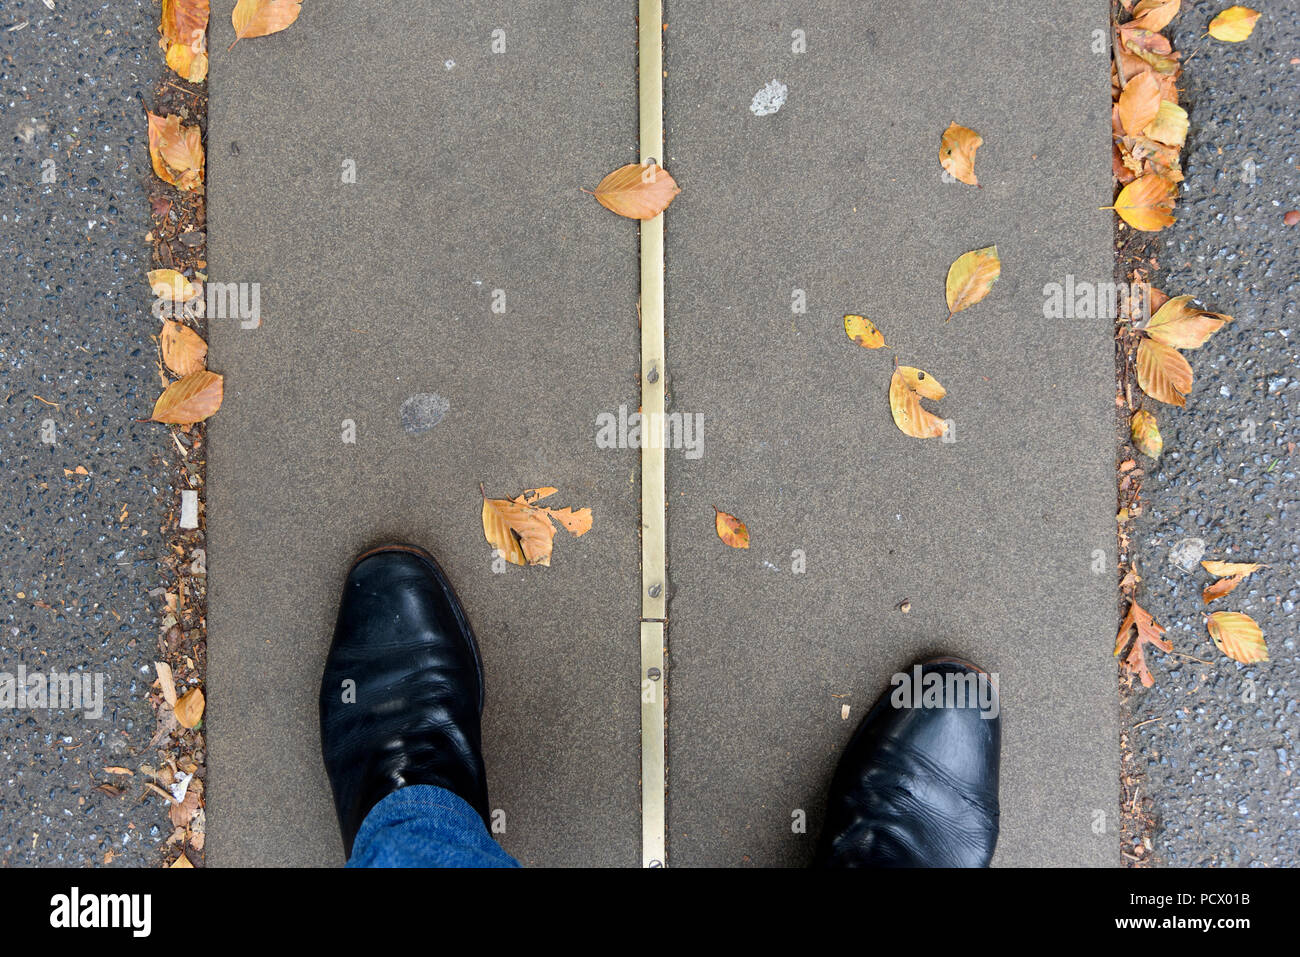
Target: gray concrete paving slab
point(468, 167)
point(838, 198)
point(467, 162)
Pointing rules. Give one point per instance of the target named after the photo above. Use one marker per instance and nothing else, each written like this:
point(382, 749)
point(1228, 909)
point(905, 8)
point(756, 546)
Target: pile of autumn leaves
point(176, 151)
point(1149, 129)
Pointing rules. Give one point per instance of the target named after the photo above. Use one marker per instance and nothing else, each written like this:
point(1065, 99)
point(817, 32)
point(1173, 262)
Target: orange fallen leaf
point(183, 350)
point(1169, 127)
point(524, 533)
point(957, 153)
point(1147, 203)
point(637, 190)
point(906, 389)
point(1148, 632)
point(971, 277)
point(184, 28)
point(1219, 569)
point(188, 400)
point(1163, 373)
point(189, 708)
point(1179, 324)
point(259, 18)
point(181, 863)
point(176, 151)
point(730, 529)
point(864, 332)
point(1139, 103)
point(1154, 14)
point(1238, 636)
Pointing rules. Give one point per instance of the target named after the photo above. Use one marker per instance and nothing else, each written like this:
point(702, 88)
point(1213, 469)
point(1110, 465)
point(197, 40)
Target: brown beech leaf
point(187, 64)
point(864, 332)
point(188, 400)
point(730, 529)
point(183, 350)
point(259, 18)
point(957, 153)
point(1238, 636)
point(906, 389)
point(1154, 14)
point(189, 708)
point(1146, 434)
point(1219, 569)
point(524, 533)
point(1139, 103)
point(1179, 324)
point(1169, 127)
point(637, 190)
point(184, 28)
point(1146, 204)
point(1221, 587)
point(1163, 373)
point(1234, 25)
point(971, 277)
point(1148, 633)
point(176, 152)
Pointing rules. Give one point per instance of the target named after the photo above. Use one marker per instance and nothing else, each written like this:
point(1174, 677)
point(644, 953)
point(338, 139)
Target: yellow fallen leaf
point(1139, 103)
point(1238, 636)
point(1163, 373)
point(906, 389)
point(1183, 326)
point(957, 153)
point(189, 708)
point(184, 28)
point(1169, 125)
point(259, 18)
point(187, 64)
point(1234, 25)
point(863, 332)
point(176, 151)
point(1154, 14)
point(1146, 434)
point(188, 400)
point(183, 350)
point(181, 863)
point(730, 529)
point(637, 190)
point(971, 277)
point(1146, 203)
point(170, 285)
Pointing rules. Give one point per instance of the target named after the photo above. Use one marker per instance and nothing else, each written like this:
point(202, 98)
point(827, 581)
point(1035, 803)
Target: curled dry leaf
point(730, 529)
point(166, 682)
point(524, 532)
point(864, 332)
point(957, 153)
point(1154, 14)
point(1139, 103)
point(183, 350)
point(1230, 575)
point(1169, 126)
point(1238, 636)
point(1148, 632)
point(189, 708)
point(1163, 373)
point(637, 190)
point(176, 151)
point(188, 400)
point(971, 277)
point(1146, 434)
point(259, 18)
point(1147, 203)
point(1234, 25)
point(1179, 324)
point(906, 389)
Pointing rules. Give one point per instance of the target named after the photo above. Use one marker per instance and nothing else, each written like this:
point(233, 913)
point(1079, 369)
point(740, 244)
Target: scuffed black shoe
point(918, 786)
point(402, 693)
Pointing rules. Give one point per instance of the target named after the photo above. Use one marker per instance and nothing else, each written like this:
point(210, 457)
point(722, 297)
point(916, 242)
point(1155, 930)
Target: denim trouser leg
point(425, 826)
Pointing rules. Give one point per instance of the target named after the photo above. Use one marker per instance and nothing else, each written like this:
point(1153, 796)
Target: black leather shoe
point(918, 786)
point(402, 693)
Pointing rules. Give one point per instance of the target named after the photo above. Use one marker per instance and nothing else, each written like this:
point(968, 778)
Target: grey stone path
point(468, 164)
